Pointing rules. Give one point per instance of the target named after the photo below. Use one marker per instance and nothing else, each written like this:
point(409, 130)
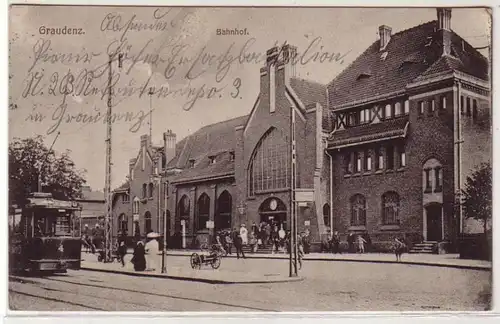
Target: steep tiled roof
point(92, 195)
point(203, 169)
point(310, 92)
point(213, 140)
point(369, 132)
point(410, 53)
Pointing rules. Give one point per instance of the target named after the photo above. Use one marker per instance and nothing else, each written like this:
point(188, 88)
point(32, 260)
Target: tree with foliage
point(29, 158)
point(477, 195)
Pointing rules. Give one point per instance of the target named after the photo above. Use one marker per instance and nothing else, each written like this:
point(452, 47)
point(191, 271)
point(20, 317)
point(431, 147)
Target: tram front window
point(52, 224)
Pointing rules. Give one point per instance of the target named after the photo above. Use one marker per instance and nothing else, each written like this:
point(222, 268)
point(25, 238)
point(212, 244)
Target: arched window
point(184, 207)
point(224, 208)
point(269, 164)
point(358, 210)
point(144, 190)
point(203, 212)
point(123, 223)
point(147, 222)
point(390, 208)
point(326, 214)
point(150, 190)
point(135, 206)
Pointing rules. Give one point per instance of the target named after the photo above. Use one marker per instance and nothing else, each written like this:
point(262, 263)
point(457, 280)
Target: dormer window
point(191, 163)
point(364, 75)
point(231, 156)
point(212, 159)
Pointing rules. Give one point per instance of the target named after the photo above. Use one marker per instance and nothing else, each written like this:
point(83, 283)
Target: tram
point(42, 240)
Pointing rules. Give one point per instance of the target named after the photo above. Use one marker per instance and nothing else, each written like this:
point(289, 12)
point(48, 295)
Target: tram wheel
point(216, 262)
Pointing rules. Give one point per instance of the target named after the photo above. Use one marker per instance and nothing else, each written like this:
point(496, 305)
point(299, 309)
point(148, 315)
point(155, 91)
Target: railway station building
point(383, 149)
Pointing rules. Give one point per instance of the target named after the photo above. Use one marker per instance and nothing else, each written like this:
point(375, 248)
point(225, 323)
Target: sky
point(177, 52)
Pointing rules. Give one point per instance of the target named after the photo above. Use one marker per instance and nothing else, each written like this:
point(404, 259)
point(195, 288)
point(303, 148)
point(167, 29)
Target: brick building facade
point(411, 122)
point(383, 148)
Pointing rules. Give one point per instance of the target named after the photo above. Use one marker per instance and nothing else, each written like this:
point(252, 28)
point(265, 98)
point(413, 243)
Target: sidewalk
point(183, 271)
point(437, 260)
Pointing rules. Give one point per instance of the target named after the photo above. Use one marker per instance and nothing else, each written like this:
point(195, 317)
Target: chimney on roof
point(169, 144)
point(385, 36)
point(444, 18)
point(444, 29)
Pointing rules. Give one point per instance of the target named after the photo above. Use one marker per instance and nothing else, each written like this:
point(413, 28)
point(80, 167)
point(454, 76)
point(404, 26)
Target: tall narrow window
point(474, 109)
point(421, 108)
point(469, 107)
point(358, 210)
point(203, 212)
point(428, 180)
point(462, 105)
point(390, 211)
point(407, 107)
point(368, 161)
point(348, 163)
point(144, 190)
point(390, 157)
point(380, 159)
point(402, 157)
point(388, 111)
point(362, 116)
point(357, 158)
point(272, 89)
point(150, 190)
point(397, 109)
point(432, 108)
point(443, 102)
point(438, 174)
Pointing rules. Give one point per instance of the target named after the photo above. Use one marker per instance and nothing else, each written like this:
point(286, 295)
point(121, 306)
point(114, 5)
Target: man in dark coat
point(238, 244)
point(336, 243)
point(350, 242)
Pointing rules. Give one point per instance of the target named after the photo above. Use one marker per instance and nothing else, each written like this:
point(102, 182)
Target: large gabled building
point(383, 149)
point(411, 122)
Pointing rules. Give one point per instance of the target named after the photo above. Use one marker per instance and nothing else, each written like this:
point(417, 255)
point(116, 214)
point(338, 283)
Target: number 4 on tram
point(42, 240)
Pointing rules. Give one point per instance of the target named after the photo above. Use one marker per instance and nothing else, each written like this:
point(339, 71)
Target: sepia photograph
point(249, 159)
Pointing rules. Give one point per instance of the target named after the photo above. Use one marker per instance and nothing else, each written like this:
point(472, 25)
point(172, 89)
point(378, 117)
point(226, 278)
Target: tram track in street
point(55, 300)
point(118, 289)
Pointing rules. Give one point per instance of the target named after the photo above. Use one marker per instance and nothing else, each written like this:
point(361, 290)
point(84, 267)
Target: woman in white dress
point(152, 251)
point(244, 234)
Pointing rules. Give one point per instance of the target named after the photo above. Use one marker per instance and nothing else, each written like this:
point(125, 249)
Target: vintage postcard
point(249, 159)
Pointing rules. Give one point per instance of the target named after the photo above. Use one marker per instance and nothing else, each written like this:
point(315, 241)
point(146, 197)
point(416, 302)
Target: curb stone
point(203, 280)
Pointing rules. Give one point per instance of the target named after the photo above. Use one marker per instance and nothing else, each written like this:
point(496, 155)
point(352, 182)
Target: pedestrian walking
point(139, 257)
point(244, 234)
point(336, 243)
point(253, 242)
point(122, 251)
point(399, 248)
point(229, 241)
point(361, 244)
point(238, 244)
point(350, 242)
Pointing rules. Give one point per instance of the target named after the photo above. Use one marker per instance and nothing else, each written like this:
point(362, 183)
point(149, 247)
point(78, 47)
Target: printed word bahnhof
point(382, 149)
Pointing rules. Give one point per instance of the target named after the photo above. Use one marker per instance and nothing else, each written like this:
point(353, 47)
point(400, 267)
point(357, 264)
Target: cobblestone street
point(327, 286)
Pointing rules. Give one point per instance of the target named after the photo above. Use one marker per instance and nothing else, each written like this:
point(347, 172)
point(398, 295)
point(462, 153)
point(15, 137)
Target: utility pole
point(108, 244)
point(164, 252)
point(293, 210)
point(151, 93)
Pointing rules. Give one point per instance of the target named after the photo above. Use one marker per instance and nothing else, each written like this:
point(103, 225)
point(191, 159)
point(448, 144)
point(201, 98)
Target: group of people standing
point(355, 243)
point(92, 239)
point(259, 236)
